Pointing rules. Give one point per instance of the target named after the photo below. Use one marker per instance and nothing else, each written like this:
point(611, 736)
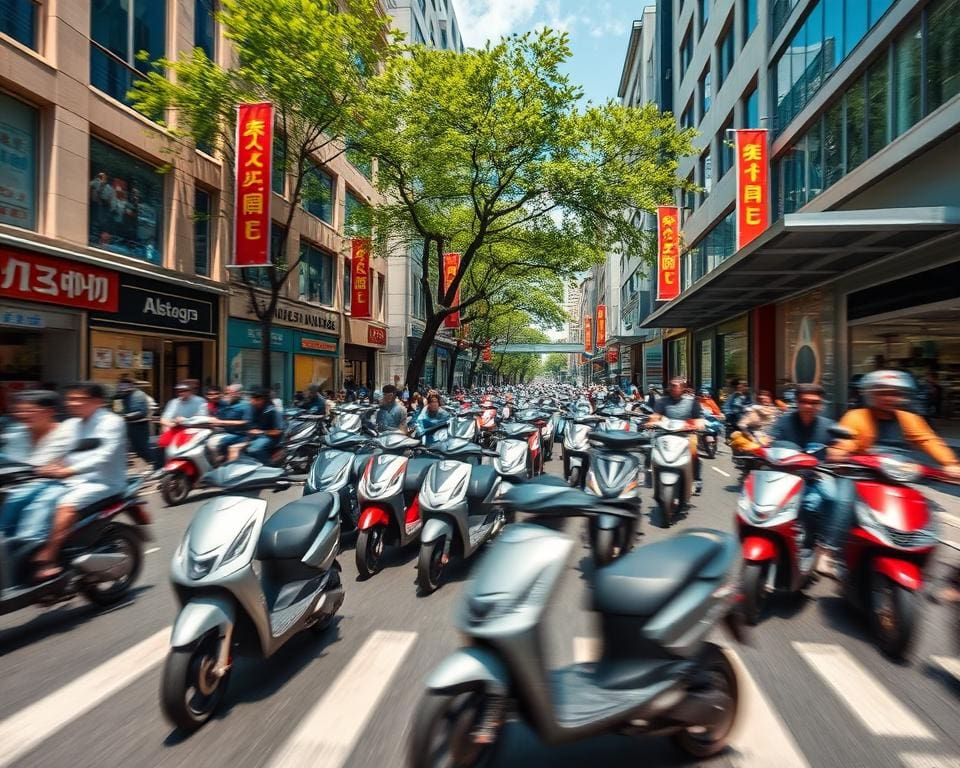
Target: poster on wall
point(146, 359)
point(124, 358)
point(807, 323)
point(18, 173)
point(102, 357)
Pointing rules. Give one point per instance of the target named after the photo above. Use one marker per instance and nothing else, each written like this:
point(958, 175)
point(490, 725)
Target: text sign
point(252, 182)
point(588, 334)
point(601, 325)
point(451, 265)
point(668, 252)
point(32, 277)
point(377, 336)
point(753, 204)
point(487, 354)
point(360, 277)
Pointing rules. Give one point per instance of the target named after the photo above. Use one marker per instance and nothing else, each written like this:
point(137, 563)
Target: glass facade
point(119, 31)
point(18, 163)
point(943, 53)
point(749, 18)
point(125, 203)
point(318, 194)
point(205, 28)
point(705, 93)
point(710, 251)
point(18, 19)
point(356, 217)
point(202, 226)
point(725, 54)
point(317, 269)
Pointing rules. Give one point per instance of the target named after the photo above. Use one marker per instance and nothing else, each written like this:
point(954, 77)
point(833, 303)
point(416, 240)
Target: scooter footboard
point(470, 669)
point(199, 617)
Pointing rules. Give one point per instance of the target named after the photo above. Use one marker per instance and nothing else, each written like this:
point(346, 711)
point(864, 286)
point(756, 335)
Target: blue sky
point(599, 30)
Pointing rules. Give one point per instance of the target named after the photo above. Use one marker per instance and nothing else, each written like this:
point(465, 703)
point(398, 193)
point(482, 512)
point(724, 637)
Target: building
point(432, 23)
point(861, 264)
point(573, 330)
point(124, 271)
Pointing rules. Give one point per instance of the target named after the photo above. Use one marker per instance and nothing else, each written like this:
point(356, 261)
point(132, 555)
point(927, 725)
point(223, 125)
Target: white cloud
point(482, 20)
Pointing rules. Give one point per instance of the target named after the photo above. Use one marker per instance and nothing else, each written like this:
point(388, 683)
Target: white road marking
point(29, 727)
point(760, 738)
point(152, 550)
point(720, 471)
point(950, 519)
point(877, 709)
point(586, 649)
point(326, 736)
point(926, 760)
point(948, 664)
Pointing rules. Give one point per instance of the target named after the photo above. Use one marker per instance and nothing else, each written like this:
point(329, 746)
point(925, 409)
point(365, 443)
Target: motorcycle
point(672, 467)
point(193, 462)
point(101, 557)
point(707, 440)
point(657, 672)
point(245, 586)
point(457, 505)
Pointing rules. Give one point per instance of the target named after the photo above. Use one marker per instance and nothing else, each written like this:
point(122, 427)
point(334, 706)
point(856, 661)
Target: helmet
point(705, 392)
point(886, 381)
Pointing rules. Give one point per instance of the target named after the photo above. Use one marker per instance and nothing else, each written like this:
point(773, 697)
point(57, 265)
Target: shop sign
point(32, 277)
point(487, 355)
point(254, 155)
point(588, 334)
point(601, 325)
point(250, 336)
point(17, 319)
point(376, 336)
point(303, 317)
point(451, 265)
point(753, 205)
point(612, 354)
point(152, 304)
point(318, 345)
point(360, 277)
point(668, 252)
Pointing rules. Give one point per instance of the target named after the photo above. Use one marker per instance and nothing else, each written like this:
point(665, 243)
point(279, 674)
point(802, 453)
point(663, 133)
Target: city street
point(80, 688)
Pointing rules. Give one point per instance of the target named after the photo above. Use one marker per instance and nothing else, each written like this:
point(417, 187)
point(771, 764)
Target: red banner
point(613, 354)
point(601, 325)
point(588, 334)
point(668, 252)
point(376, 336)
point(451, 265)
point(487, 353)
point(252, 181)
point(32, 277)
point(753, 187)
point(360, 277)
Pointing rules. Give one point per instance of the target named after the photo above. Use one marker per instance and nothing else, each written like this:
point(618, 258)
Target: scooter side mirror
point(841, 433)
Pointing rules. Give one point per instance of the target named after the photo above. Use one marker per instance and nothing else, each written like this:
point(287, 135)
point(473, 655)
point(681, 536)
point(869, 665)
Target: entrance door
point(183, 360)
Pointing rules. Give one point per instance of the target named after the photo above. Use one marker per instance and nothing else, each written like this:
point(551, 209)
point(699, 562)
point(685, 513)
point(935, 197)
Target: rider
point(708, 404)
point(884, 421)
point(313, 402)
point(186, 405)
point(391, 415)
point(674, 405)
point(736, 404)
point(760, 416)
point(432, 415)
point(266, 425)
point(233, 415)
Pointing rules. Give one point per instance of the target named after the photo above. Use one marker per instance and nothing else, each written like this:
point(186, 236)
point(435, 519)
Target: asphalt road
point(79, 687)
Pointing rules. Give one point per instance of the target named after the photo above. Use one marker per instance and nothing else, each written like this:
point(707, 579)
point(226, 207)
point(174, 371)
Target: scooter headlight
point(591, 484)
point(199, 566)
point(239, 544)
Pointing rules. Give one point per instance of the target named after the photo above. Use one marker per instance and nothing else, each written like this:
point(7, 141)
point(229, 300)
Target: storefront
point(363, 343)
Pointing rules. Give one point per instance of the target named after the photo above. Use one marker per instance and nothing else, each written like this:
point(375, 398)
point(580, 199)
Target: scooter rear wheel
point(118, 540)
point(706, 741)
point(189, 691)
point(369, 550)
point(430, 566)
point(444, 731)
point(174, 488)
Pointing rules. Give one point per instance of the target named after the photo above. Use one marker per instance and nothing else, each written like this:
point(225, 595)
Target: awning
point(798, 252)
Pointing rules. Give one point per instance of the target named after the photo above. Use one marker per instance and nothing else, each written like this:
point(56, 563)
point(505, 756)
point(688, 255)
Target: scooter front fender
point(758, 549)
point(201, 616)
point(908, 575)
point(470, 669)
point(667, 477)
point(609, 522)
point(435, 529)
point(372, 516)
point(181, 465)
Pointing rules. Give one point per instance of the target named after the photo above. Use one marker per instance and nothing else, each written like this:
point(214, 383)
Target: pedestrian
point(134, 406)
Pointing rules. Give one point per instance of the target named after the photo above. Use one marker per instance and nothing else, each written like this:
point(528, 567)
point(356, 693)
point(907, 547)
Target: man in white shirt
point(186, 405)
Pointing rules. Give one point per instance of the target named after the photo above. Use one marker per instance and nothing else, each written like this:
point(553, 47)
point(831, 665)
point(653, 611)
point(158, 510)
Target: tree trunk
point(453, 367)
point(266, 372)
point(473, 371)
point(419, 357)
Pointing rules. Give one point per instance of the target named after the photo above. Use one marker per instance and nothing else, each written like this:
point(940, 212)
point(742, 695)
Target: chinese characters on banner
point(487, 353)
point(601, 325)
point(32, 277)
point(251, 234)
point(588, 334)
point(753, 206)
point(668, 252)
point(360, 277)
point(376, 336)
point(613, 354)
point(451, 265)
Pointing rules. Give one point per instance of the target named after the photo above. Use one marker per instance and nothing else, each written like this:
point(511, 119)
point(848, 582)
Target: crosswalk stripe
point(867, 699)
point(760, 738)
point(326, 736)
point(720, 471)
point(948, 664)
point(926, 760)
point(30, 726)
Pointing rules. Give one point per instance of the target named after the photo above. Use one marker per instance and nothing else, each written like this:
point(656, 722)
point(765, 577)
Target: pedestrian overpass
point(544, 348)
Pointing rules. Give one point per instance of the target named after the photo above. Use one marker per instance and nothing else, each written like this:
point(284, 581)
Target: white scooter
point(672, 466)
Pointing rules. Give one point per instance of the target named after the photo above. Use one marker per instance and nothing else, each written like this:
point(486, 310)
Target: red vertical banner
point(588, 334)
point(254, 152)
point(360, 277)
point(487, 353)
point(601, 325)
point(753, 186)
point(668, 252)
point(451, 265)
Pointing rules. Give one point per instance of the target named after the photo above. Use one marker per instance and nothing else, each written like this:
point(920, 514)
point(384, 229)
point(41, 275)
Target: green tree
point(312, 61)
point(492, 148)
point(555, 364)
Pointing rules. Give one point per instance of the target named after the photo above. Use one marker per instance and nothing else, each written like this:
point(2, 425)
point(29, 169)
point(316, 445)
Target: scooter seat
point(643, 581)
point(482, 480)
point(99, 506)
point(288, 533)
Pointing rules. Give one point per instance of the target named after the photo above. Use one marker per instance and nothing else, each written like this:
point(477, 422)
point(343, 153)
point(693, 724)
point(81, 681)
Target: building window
point(260, 276)
point(832, 35)
point(318, 194)
point(704, 13)
point(686, 119)
point(205, 28)
point(878, 91)
point(418, 37)
point(704, 93)
point(779, 12)
point(347, 278)
point(943, 52)
point(855, 123)
point(751, 109)
point(855, 23)
point(725, 143)
point(706, 173)
point(18, 19)
point(316, 275)
point(686, 52)
point(202, 227)
point(419, 303)
point(278, 174)
point(356, 217)
point(833, 169)
point(125, 203)
point(814, 162)
point(360, 161)
point(18, 163)
point(119, 31)
point(749, 18)
point(907, 78)
point(725, 54)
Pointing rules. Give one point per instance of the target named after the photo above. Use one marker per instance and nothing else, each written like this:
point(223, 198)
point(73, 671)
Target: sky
point(598, 29)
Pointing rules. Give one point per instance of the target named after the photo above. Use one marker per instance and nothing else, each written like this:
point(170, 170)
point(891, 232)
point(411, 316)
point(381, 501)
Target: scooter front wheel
point(893, 613)
point(190, 690)
point(174, 488)
point(574, 479)
point(669, 504)
point(430, 566)
point(604, 546)
point(719, 676)
point(369, 550)
point(450, 731)
point(755, 578)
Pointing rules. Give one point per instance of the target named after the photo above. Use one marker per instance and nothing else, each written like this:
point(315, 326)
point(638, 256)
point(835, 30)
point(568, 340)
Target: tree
point(555, 364)
point(488, 153)
point(312, 61)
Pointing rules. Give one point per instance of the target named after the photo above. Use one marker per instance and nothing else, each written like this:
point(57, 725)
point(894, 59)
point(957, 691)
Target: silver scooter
point(246, 586)
point(337, 469)
point(672, 467)
point(656, 673)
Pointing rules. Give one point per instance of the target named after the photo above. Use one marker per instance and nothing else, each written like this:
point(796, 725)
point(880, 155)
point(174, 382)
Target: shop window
point(316, 275)
point(18, 163)
point(906, 73)
point(119, 31)
point(18, 19)
point(751, 108)
point(202, 224)
point(318, 193)
point(347, 282)
point(878, 78)
point(855, 123)
point(125, 204)
point(725, 54)
point(356, 217)
point(749, 18)
point(943, 53)
point(205, 27)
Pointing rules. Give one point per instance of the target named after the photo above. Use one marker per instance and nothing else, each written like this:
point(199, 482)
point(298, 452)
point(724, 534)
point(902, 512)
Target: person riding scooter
point(266, 426)
point(391, 415)
point(432, 415)
point(674, 405)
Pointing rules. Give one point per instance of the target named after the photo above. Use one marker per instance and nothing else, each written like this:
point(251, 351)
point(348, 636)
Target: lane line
point(327, 734)
point(760, 738)
point(152, 550)
point(950, 519)
point(586, 649)
point(29, 727)
point(927, 760)
point(948, 664)
point(879, 711)
point(720, 471)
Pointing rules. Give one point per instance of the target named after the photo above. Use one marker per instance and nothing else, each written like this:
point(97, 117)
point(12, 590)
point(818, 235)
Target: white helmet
point(886, 381)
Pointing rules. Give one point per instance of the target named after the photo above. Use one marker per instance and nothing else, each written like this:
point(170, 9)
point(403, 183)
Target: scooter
point(337, 469)
point(301, 441)
point(576, 448)
point(101, 556)
point(457, 505)
point(656, 674)
point(464, 425)
point(192, 463)
point(518, 449)
point(245, 586)
point(672, 467)
point(709, 437)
